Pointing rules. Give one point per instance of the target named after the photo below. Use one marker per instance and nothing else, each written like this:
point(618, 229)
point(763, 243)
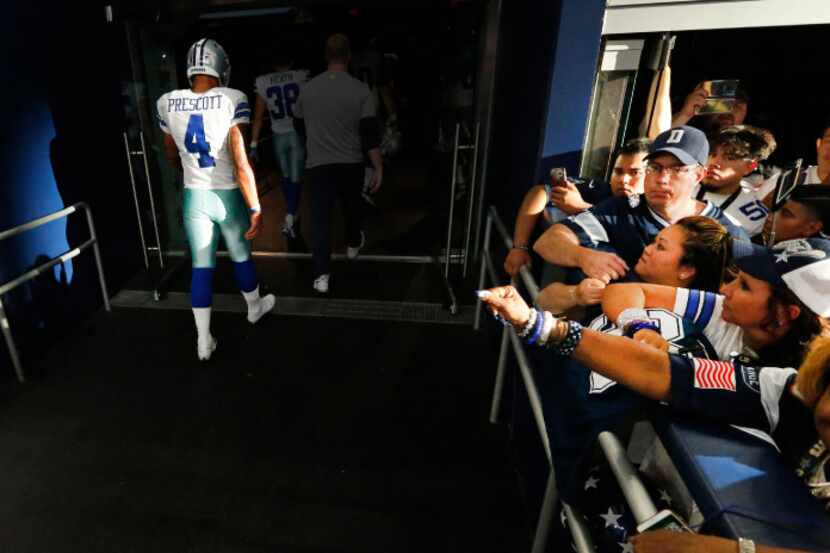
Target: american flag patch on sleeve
point(714, 375)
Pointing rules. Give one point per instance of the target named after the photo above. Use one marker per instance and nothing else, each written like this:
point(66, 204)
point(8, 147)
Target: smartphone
point(664, 520)
point(720, 96)
point(558, 176)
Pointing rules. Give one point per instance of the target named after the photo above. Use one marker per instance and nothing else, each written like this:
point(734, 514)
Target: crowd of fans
point(696, 265)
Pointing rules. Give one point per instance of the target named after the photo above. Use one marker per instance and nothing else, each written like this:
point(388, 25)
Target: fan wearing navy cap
point(806, 214)
point(675, 164)
point(792, 406)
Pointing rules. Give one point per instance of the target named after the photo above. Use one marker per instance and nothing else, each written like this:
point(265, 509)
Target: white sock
point(202, 317)
point(251, 298)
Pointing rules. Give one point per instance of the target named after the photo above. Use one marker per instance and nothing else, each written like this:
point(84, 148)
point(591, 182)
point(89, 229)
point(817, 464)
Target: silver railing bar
point(527, 375)
point(43, 267)
point(152, 200)
point(7, 334)
point(471, 202)
point(452, 197)
point(135, 199)
point(416, 259)
point(579, 532)
point(33, 224)
point(483, 271)
point(636, 495)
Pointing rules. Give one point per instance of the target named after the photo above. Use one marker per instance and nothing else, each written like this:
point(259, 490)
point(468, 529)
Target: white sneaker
point(205, 348)
point(351, 252)
point(321, 284)
point(265, 304)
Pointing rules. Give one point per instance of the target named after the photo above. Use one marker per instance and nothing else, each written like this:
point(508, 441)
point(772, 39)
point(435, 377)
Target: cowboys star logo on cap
point(794, 248)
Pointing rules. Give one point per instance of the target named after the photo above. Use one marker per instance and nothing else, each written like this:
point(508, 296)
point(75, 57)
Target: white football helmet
point(207, 57)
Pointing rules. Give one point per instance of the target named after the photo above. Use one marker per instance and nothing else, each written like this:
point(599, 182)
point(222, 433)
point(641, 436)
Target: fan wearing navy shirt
point(548, 204)
point(676, 164)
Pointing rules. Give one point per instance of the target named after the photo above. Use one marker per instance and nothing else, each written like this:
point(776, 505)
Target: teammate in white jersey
point(277, 93)
point(735, 153)
point(203, 138)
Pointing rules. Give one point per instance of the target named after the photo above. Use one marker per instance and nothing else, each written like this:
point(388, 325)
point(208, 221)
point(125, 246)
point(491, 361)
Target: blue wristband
point(537, 328)
point(255, 209)
point(634, 327)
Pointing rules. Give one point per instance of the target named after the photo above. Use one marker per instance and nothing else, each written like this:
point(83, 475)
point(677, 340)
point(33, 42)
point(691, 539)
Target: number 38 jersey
point(200, 123)
point(280, 92)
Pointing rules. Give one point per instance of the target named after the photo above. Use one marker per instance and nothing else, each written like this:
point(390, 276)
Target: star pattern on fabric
point(611, 518)
point(783, 256)
point(664, 495)
point(591, 482)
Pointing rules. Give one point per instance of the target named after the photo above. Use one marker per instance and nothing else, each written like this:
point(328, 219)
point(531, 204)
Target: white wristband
point(550, 321)
point(255, 209)
point(630, 315)
point(746, 546)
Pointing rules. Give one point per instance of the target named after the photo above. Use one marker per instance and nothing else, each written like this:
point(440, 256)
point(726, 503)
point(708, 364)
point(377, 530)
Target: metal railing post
point(636, 495)
point(7, 334)
point(500, 370)
point(483, 272)
point(471, 200)
point(152, 200)
point(137, 207)
point(96, 250)
point(452, 201)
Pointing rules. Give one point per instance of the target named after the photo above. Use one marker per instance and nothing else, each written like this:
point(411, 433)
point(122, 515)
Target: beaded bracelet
point(529, 325)
point(571, 341)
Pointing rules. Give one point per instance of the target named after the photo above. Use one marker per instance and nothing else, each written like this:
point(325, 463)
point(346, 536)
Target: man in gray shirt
point(336, 114)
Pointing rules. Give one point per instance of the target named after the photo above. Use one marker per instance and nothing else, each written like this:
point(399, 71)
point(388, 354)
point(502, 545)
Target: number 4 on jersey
point(195, 141)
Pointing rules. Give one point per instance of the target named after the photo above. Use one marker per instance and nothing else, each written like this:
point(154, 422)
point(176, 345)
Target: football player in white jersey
point(277, 93)
point(735, 153)
point(203, 138)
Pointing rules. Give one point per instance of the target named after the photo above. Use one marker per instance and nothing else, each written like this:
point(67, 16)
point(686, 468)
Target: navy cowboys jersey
point(738, 393)
point(200, 124)
point(579, 403)
point(629, 230)
point(745, 205)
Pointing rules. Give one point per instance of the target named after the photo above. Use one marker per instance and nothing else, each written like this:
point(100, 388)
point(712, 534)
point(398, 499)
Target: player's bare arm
point(171, 152)
point(247, 182)
point(637, 295)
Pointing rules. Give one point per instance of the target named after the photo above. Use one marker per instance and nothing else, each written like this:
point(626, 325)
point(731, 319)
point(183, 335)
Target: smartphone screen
point(558, 176)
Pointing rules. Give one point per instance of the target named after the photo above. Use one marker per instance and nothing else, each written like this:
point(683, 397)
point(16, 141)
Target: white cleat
point(205, 348)
point(351, 252)
point(263, 306)
point(321, 284)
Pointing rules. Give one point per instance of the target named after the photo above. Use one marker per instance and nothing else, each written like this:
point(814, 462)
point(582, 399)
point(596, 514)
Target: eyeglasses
point(674, 171)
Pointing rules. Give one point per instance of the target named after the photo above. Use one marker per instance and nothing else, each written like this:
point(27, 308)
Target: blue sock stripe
point(245, 275)
point(201, 287)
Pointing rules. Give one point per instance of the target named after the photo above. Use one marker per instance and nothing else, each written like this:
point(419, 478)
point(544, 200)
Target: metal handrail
point(578, 529)
point(43, 267)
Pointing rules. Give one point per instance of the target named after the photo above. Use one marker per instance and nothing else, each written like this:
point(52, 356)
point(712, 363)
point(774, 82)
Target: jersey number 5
point(755, 211)
point(195, 141)
point(284, 97)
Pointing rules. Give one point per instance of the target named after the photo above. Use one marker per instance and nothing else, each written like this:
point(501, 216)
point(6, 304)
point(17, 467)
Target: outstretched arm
point(560, 246)
point(637, 295)
point(638, 366)
point(247, 183)
point(666, 541)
